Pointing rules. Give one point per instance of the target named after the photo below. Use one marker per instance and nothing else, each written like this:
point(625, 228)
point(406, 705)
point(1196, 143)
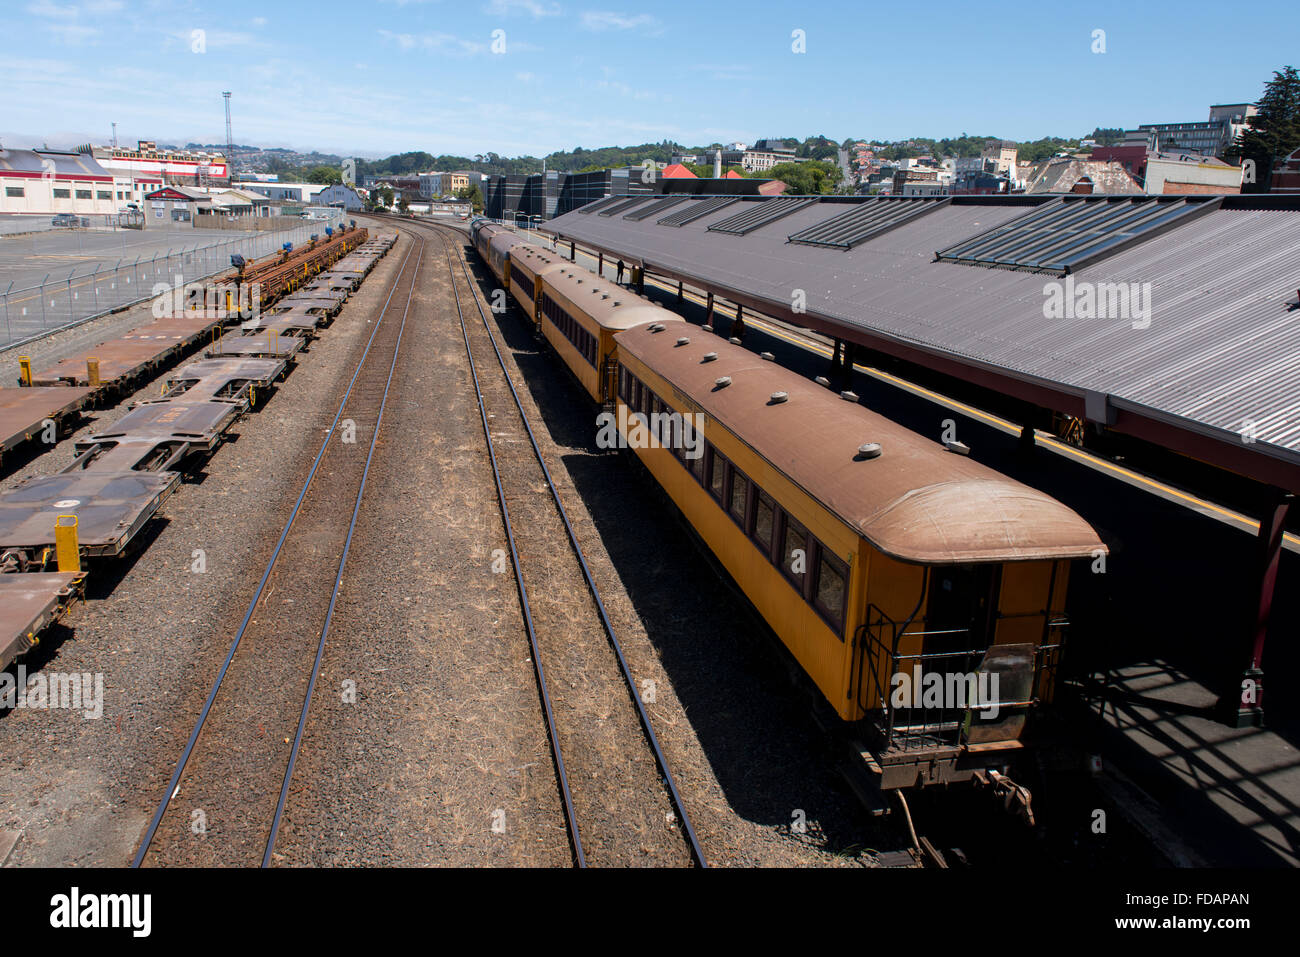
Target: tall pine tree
point(1274, 131)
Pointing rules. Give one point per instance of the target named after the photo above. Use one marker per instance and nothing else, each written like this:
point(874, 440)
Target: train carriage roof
point(609, 304)
point(535, 260)
point(916, 501)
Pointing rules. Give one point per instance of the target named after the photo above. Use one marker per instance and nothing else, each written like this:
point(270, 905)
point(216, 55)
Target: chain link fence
point(54, 303)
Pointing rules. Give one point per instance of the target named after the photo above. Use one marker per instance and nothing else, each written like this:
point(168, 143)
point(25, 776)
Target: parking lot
point(58, 254)
point(58, 277)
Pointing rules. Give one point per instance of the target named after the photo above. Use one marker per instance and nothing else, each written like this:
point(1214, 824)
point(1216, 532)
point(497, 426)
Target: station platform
point(1236, 790)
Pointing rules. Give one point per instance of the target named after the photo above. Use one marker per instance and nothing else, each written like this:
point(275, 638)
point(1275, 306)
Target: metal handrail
point(879, 637)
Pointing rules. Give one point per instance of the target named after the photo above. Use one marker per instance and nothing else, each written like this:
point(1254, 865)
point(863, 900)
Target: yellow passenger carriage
point(902, 577)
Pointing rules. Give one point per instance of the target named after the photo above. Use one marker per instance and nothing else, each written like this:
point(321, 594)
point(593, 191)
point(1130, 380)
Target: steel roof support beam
point(1242, 703)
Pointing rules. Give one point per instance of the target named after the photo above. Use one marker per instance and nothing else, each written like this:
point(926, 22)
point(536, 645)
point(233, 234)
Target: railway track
point(226, 796)
point(621, 803)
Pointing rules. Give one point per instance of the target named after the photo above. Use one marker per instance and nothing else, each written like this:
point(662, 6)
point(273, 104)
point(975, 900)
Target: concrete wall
point(1165, 176)
point(267, 223)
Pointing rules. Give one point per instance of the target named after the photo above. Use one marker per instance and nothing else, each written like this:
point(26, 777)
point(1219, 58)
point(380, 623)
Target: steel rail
point(647, 728)
point(173, 783)
point(338, 578)
point(575, 839)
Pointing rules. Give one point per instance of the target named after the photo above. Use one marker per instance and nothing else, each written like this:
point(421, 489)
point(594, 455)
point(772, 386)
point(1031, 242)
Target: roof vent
point(722, 382)
point(617, 302)
point(960, 448)
point(707, 328)
point(709, 356)
point(657, 327)
point(734, 341)
point(870, 450)
point(849, 396)
point(778, 398)
point(822, 380)
point(768, 356)
point(683, 340)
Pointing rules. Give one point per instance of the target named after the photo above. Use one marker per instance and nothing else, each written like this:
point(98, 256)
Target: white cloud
point(52, 11)
point(433, 41)
point(65, 21)
point(73, 33)
point(220, 39)
point(534, 8)
point(600, 20)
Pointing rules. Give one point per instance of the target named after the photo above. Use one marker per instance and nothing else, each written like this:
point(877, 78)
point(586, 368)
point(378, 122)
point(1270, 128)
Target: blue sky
point(383, 76)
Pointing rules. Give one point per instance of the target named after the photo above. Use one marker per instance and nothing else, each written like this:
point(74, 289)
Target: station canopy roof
point(1174, 319)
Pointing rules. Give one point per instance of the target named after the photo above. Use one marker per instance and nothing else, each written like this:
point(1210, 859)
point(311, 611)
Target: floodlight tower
point(230, 141)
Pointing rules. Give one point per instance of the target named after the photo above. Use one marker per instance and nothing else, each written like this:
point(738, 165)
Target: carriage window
point(717, 472)
point(739, 496)
point(832, 574)
point(696, 465)
point(794, 551)
point(669, 432)
point(764, 519)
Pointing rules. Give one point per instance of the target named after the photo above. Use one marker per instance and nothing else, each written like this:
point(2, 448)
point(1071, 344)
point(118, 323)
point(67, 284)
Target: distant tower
point(114, 136)
point(717, 164)
point(230, 141)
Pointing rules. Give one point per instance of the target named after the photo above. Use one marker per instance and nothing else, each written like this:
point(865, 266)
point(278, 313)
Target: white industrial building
point(46, 182)
point(340, 195)
point(284, 192)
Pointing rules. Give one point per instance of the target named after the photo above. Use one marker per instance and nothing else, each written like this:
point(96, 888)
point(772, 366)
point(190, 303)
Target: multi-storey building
point(1211, 138)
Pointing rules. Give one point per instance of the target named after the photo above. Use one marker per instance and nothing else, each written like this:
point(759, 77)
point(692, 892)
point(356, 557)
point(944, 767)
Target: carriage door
point(960, 612)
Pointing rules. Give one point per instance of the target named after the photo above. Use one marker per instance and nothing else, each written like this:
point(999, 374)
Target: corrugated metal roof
point(1072, 231)
point(58, 163)
point(756, 213)
point(1218, 352)
point(697, 210)
point(654, 209)
point(863, 221)
point(623, 206)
